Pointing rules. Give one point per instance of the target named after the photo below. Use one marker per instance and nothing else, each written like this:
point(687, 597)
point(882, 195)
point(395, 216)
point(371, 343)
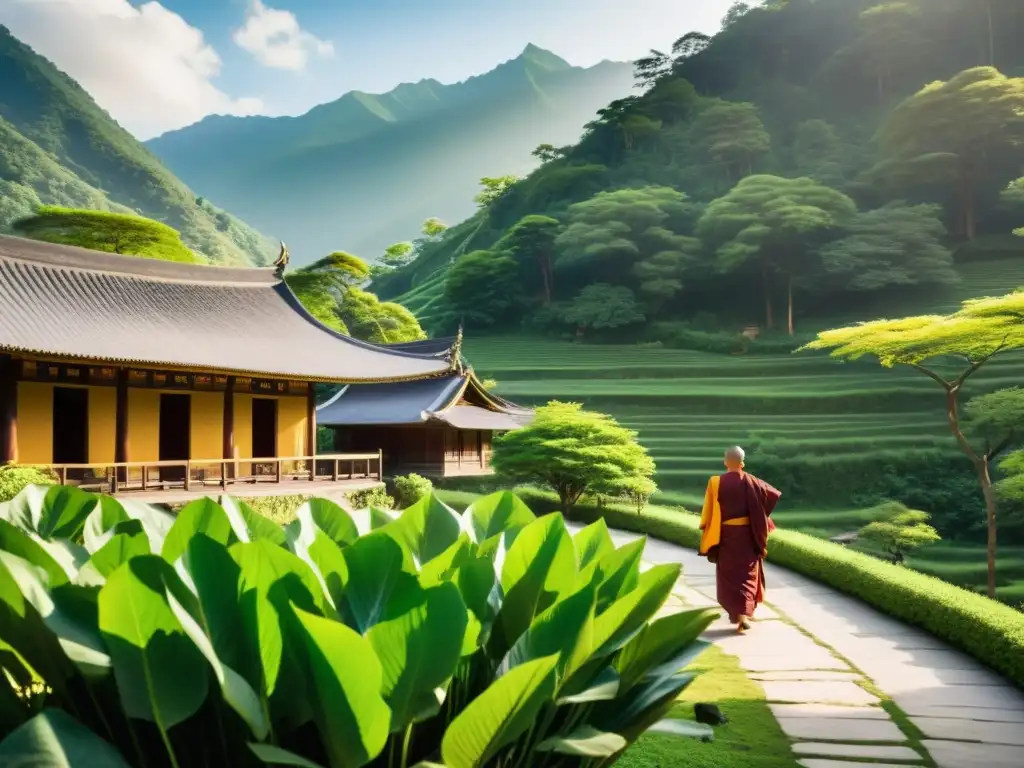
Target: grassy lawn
point(751, 738)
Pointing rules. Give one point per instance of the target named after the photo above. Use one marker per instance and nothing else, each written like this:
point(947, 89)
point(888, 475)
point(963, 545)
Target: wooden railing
point(119, 477)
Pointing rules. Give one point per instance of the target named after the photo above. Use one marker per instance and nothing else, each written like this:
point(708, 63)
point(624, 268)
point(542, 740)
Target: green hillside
point(57, 147)
point(375, 166)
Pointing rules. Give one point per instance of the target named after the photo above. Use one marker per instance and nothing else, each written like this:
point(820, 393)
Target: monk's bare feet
point(743, 625)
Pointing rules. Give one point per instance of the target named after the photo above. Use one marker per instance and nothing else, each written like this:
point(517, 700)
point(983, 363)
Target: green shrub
point(280, 509)
point(990, 631)
point(13, 478)
point(411, 488)
point(217, 637)
point(371, 497)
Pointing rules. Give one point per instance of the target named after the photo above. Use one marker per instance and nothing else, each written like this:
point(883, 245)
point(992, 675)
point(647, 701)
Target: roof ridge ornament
point(455, 352)
point(282, 261)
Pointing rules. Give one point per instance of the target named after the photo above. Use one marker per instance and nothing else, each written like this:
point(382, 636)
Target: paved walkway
point(821, 658)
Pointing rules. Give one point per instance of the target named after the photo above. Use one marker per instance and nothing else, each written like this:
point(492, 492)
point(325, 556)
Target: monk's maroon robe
point(740, 566)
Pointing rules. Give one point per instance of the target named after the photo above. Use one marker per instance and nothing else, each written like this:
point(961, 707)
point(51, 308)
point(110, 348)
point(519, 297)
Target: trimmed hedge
point(991, 632)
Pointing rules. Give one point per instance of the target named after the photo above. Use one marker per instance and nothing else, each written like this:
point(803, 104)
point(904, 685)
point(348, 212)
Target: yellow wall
point(291, 426)
point(143, 425)
point(207, 423)
point(102, 424)
point(35, 423)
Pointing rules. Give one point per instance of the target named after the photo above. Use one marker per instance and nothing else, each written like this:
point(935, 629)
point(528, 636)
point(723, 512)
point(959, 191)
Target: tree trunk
point(769, 318)
point(789, 302)
point(545, 271)
point(967, 201)
point(985, 479)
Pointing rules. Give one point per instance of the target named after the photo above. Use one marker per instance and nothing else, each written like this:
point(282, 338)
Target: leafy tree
point(434, 228)
point(341, 268)
point(103, 231)
point(818, 152)
point(957, 131)
point(549, 152)
point(732, 135)
point(484, 289)
point(630, 235)
point(779, 222)
point(637, 491)
point(905, 531)
point(690, 44)
point(573, 452)
point(382, 322)
point(531, 242)
point(647, 70)
point(494, 189)
point(1014, 195)
point(736, 12)
point(898, 244)
point(601, 306)
point(982, 330)
point(399, 254)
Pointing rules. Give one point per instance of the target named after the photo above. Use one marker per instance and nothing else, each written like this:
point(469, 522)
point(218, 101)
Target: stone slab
point(788, 664)
point(946, 728)
point(817, 692)
point(862, 751)
point(828, 710)
point(811, 674)
point(958, 754)
point(969, 713)
point(813, 762)
point(980, 696)
point(837, 729)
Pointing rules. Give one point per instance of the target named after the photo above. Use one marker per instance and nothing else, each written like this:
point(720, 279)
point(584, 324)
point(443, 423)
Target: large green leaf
point(50, 512)
point(538, 568)
point(686, 728)
point(270, 577)
point(584, 741)
point(628, 614)
point(499, 715)
point(324, 557)
point(155, 521)
point(371, 519)
point(271, 755)
point(248, 524)
point(237, 692)
point(375, 572)
point(99, 526)
point(118, 550)
point(565, 629)
point(22, 544)
point(619, 572)
point(428, 528)
point(53, 739)
point(329, 518)
point(593, 543)
point(496, 514)
point(671, 638)
point(160, 674)
point(645, 704)
point(202, 516)
point(419, 643)
point(445, 565)
point(346, 680)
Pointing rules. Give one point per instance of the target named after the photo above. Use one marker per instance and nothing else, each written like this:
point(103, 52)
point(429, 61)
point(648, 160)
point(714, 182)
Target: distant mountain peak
point(543, 57)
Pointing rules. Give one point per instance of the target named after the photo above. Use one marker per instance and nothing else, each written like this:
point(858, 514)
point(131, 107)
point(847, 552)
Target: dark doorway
point(264, 434)
point(175, 434)
point(71, 427)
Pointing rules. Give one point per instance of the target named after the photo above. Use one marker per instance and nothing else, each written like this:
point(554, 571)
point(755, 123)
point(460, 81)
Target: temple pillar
point(229, 425)
point(8, 409)
point(311, 429)
point(121, 448)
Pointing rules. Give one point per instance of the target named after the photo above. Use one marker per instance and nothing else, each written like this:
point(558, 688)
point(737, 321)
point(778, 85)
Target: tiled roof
point(425, 347)
point(70, 303)
point(416, 402)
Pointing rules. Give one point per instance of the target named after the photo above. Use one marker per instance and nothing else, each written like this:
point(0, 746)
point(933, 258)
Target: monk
point(735, 525)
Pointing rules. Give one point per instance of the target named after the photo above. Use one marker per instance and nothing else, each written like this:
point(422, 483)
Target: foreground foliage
point(490, 638)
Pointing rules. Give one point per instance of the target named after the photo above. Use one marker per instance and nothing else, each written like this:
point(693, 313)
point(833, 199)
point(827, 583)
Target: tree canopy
point(573, 452)
point(102, 231)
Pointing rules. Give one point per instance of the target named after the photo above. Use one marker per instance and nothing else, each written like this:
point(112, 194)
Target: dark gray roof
point(416, 402)
point(425, 347)
point(70, 303)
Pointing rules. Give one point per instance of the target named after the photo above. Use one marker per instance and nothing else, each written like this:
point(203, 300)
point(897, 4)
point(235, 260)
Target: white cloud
point(275, 38)
point(145, 65)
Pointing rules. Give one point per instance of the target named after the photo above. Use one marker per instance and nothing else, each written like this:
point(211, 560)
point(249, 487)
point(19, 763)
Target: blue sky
point(161, 65)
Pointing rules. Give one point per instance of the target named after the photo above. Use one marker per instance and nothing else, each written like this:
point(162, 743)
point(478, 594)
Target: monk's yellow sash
point(711, 518)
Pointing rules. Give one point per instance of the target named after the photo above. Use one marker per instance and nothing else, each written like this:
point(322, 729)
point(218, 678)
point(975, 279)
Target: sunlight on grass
point(751, 738)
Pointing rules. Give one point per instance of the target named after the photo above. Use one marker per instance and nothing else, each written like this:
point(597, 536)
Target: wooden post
point(229, 430)
point(8, 409)
point(311, 429)
point(380, 465)
point(121, 445)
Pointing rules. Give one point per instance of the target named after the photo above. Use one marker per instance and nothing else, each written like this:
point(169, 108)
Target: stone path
point(822, 657)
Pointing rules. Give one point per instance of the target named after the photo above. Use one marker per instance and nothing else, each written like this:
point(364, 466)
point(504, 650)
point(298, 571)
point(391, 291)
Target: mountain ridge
point(374, 166)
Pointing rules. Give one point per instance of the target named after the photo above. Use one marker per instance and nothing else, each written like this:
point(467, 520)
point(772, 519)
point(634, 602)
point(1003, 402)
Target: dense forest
point(810, 154)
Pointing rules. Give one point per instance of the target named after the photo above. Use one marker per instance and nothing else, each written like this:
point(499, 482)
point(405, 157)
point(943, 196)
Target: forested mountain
point(57, 147)
point(814, 154)
point(366, 170)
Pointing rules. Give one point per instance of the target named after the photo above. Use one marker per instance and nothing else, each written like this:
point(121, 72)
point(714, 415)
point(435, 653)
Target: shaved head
point(734, 458)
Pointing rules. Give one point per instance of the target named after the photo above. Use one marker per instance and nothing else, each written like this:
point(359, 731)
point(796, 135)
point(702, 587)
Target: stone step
point(862, 751)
